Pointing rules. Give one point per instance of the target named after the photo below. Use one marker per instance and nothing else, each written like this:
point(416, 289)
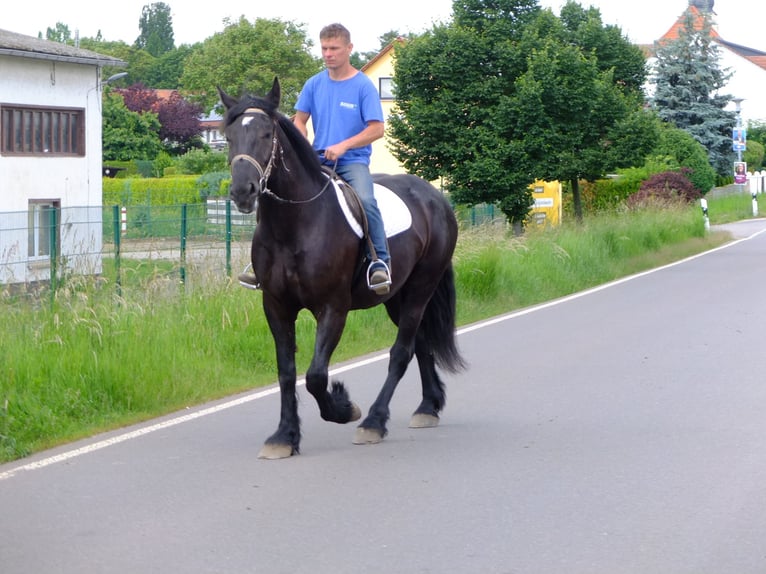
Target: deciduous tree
point(128, 135)
point(156, 26)
point(507, 94)
point(246, 57)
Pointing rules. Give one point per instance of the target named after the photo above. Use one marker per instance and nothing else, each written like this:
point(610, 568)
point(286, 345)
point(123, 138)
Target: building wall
point(749, 82)
point(383, 161)
point(74, 181)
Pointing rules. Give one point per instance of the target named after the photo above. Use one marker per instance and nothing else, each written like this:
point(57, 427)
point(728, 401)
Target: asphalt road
point(621, 430)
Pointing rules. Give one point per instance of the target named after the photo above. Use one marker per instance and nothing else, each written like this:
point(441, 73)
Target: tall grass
point(89, 359)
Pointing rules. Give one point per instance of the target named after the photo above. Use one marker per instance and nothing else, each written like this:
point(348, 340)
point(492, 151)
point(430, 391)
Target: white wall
point(748, 82)
point(74, 181)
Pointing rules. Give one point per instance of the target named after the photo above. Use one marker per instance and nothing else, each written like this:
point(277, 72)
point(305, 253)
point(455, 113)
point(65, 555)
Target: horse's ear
point(275, 94)
point(226, 99)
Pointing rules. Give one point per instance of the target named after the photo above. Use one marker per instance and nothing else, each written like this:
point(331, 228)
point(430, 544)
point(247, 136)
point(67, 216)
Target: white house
point(50, 157)
point(746, 64)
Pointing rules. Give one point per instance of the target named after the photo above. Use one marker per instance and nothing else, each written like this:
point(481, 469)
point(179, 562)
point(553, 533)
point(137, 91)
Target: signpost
point(739, 144)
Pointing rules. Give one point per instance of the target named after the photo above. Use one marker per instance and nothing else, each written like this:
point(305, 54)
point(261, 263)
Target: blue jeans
point(359, 177)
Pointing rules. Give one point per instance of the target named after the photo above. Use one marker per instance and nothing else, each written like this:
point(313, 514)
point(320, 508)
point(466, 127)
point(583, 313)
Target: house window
point(42, 225)
point(386, 88)
point(38, 131)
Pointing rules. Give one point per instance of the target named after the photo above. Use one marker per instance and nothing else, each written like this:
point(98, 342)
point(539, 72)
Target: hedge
point(152, 191)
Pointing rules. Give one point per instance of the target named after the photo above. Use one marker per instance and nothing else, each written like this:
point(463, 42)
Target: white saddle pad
point(395, 213)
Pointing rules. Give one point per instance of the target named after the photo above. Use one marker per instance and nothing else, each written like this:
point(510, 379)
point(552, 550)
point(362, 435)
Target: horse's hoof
point(423, 421)
point(367, 436)
point(356, 413)
point(276, 451)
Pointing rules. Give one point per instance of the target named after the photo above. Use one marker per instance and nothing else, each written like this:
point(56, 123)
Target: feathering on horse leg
point(373, 429)
point(434, 396)
point(334, 406)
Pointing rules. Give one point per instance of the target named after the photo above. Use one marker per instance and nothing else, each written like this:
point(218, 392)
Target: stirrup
point(248, 280)
point(383, 287)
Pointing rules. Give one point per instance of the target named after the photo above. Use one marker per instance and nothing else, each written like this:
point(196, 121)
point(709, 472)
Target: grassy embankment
point(91, 361)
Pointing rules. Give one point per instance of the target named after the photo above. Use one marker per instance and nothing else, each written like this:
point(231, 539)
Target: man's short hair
point(335, 31)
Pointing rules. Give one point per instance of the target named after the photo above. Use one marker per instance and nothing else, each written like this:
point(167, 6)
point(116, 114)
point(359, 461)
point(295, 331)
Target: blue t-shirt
point(340, 110)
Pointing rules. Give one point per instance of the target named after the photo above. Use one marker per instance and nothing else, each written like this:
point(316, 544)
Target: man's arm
point(374, 131)
point(301, 120)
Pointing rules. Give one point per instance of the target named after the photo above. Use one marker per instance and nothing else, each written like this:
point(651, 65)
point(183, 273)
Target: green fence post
point(53, 223)
point(183, 243)
point(228, 238)
point(116, 224)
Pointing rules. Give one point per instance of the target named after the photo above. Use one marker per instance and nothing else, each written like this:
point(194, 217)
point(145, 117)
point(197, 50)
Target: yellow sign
point(547, 207)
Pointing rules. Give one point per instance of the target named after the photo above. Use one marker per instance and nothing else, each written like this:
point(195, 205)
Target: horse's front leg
point(335, 405)
point(286, 440)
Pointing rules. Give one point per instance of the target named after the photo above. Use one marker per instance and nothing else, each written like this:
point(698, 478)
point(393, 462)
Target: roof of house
point(384, 52)
point(19, 45)
point(757, 57)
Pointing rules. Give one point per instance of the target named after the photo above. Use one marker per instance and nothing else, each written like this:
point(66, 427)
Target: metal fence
point(41, 245)
point(44, 245)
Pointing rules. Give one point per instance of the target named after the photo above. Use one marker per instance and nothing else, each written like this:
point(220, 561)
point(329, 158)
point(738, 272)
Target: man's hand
point(335, 152)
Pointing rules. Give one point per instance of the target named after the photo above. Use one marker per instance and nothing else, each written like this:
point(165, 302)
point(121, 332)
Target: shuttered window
point(42, 131)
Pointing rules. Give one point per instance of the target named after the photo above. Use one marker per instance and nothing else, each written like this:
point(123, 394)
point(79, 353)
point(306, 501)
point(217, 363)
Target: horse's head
point(250, 127)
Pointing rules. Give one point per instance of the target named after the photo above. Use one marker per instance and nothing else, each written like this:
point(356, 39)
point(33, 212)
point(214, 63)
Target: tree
point(688, 78)
point(586, 122)
point(246, 57)
point(506, 95)
point(60, 33)
point(448, 84)
point(179, 118)
point(128, 135)
point(612, 50)
point(156, 26)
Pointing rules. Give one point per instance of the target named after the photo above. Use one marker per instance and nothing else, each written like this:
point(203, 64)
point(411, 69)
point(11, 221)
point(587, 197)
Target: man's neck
point(344, 73)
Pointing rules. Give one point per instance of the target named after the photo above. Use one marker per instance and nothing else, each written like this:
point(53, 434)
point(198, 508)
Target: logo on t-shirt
point(348, 105)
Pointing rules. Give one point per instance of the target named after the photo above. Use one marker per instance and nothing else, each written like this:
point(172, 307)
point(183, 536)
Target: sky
point(641, 21)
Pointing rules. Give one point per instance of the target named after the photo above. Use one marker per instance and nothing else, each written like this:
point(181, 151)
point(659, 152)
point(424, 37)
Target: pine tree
point(688, 80)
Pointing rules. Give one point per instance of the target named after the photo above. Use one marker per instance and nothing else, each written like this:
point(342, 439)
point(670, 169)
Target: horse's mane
point(307, 155)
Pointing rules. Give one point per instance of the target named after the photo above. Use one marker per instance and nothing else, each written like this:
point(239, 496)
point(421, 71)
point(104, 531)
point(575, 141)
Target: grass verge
point(89, 360)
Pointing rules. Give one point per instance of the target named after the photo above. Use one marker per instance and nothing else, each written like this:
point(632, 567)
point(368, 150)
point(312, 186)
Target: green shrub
point(151, 191)
point(199, 162)
point(607, 194)
point(210, 183)
point(753, 155)
point(677, 148)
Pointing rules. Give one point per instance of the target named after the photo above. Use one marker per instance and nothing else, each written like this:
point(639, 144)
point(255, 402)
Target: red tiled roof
point(759, 61)
point(755, 56)
point(699, 20)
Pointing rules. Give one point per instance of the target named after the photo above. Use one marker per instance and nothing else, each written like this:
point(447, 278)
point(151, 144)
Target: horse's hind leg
point(434, 397)
point(373, 428)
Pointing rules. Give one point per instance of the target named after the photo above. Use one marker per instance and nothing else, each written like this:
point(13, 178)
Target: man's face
point(335, 52)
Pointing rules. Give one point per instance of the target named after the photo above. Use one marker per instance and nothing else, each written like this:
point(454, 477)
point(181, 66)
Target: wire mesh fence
point(47, 243)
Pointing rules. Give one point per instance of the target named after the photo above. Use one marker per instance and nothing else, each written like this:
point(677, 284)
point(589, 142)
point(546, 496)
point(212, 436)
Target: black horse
point(306, 256)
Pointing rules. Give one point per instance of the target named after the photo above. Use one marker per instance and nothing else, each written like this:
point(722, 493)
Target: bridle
point(264, 173)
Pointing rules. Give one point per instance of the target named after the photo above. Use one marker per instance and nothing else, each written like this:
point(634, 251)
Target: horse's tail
point(438, 325)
